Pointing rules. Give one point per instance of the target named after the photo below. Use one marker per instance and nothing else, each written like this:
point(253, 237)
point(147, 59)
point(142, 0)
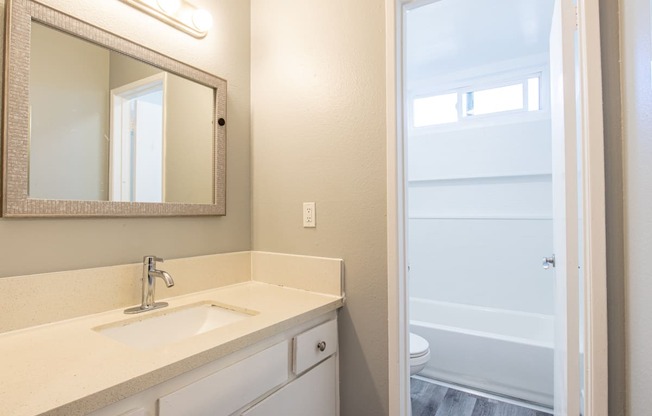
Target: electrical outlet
point(309, 217)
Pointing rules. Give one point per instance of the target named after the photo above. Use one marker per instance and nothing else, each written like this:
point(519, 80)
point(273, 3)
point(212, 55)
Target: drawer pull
point(321, 346)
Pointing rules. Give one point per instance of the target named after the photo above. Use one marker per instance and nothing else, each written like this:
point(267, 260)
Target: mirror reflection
point(106, 127)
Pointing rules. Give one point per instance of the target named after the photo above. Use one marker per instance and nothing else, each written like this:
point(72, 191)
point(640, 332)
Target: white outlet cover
point(309, 215)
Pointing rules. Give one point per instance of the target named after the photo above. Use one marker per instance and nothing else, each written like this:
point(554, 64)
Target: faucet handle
point(151, 259)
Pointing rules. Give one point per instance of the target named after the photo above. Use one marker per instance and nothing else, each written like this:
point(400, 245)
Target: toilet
point(419, 353)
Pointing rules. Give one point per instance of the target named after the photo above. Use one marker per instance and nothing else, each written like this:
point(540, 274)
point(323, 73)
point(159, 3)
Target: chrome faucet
point(150, 273)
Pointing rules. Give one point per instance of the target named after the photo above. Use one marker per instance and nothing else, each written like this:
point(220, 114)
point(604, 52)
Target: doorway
point(479, 185)
point(137, 165)
point(475, 163)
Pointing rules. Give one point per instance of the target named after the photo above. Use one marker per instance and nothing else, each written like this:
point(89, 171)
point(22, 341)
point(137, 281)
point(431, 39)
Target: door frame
point(117, 97)
point(594, 254)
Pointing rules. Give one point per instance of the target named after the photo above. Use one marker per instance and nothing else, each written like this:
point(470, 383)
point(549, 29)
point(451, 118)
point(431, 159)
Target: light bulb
point(169, 6)
point(202, 20)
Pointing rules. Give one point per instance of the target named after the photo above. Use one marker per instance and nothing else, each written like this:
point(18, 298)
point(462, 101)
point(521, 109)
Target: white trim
point(596, 368)
point(565, 205)
point(398, 349)
point(595, 289)
point(138, 87)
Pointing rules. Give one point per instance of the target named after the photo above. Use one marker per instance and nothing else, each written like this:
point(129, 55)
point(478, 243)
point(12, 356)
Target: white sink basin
point(168, 326)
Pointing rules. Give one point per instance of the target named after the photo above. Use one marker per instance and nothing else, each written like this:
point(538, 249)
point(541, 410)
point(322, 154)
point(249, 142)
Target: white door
point(147, 159)
point(565, 208)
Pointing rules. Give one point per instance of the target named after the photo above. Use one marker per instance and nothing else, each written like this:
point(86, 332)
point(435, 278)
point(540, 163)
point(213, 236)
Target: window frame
point(480, 83)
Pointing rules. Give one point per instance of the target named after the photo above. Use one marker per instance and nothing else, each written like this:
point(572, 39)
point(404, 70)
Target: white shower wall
point(480, 214)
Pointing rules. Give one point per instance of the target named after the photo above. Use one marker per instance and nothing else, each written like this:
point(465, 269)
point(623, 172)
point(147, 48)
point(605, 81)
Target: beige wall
point(318, 134)
point(636, 55)
point(609, 28)
point(69, 117)
point(188, 142)
point(45, 245)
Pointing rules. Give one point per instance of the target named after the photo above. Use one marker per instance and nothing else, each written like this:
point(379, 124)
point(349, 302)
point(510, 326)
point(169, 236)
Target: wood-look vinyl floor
point(430, 399)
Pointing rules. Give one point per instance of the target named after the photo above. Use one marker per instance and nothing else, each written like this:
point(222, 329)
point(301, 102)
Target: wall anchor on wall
point(177, 13)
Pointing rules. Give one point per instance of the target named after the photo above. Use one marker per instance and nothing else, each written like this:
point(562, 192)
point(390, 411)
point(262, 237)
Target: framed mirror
point(96, 125)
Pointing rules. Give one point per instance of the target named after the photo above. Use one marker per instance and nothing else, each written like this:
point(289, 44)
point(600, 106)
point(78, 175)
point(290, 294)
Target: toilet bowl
point(419, 353)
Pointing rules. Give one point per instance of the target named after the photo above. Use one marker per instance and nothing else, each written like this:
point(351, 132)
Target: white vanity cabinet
point(292, 373)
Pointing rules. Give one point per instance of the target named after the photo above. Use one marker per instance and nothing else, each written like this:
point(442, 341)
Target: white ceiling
point(450, 35)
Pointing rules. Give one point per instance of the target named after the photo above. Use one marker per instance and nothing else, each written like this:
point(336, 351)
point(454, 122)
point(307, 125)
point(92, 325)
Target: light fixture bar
point(184, 17)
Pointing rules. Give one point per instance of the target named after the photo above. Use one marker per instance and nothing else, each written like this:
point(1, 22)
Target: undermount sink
point(168, 326)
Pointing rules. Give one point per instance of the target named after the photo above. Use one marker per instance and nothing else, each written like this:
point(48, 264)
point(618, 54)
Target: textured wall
point(318, 134)
point(636, 55)
point(45, 245)
point(609, 40)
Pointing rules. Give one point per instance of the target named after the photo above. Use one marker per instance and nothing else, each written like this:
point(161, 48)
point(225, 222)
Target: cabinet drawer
point(227, 390)
point(314, 345)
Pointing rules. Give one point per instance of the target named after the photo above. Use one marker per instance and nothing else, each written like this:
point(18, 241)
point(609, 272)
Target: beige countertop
point(67, 368)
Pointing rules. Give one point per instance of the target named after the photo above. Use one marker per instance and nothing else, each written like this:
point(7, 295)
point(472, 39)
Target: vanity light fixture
point(169, 6)
point(178, 13)
point(202, 19)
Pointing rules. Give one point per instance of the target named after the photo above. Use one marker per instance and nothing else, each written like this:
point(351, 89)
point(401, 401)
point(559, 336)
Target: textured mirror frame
point(15, 149)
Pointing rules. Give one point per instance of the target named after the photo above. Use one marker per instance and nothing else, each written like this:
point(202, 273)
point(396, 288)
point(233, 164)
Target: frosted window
point(437, 109)
point(495, 100)
point(524, 94)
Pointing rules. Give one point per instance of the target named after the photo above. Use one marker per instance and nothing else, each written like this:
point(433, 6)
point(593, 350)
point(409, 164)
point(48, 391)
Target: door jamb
point(594, 221)
point(398, 348)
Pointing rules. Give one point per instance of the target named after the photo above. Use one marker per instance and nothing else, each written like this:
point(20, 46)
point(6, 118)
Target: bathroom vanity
point(292, 376)
point(263, 345)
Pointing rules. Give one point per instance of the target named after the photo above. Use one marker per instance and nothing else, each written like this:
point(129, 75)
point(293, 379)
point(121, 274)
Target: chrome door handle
point(549, 261)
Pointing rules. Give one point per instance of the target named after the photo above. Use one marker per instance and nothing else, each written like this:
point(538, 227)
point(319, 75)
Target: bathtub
point(498, 351)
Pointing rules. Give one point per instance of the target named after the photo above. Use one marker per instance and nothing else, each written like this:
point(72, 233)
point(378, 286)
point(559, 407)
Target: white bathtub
point(504, 352)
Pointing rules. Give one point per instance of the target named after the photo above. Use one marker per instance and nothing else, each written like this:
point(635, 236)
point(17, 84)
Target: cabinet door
point(230, 389)
point(314, 394)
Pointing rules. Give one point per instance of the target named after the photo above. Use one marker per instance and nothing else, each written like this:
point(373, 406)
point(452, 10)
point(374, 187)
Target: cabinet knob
point(321, 346)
